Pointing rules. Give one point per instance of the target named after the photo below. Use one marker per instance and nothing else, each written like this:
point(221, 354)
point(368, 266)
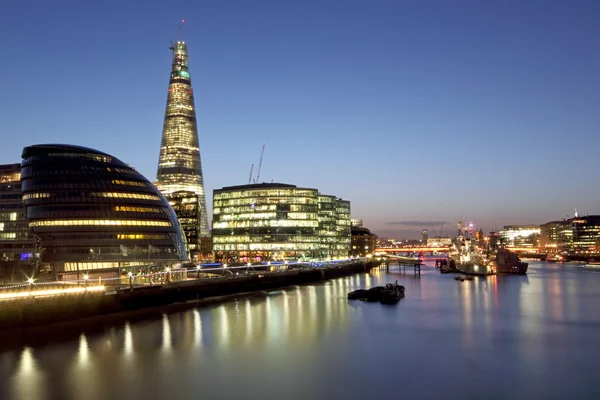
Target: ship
point(468, 259)
point(508, 262)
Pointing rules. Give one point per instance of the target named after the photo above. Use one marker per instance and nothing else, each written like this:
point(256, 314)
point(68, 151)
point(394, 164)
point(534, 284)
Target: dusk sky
point(415, 111)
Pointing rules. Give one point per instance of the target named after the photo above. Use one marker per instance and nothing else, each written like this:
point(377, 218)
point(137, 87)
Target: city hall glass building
point(274, 221)
point(93, 213)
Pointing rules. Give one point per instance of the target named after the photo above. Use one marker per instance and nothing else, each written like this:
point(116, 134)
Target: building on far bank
point(439, 241)
point(424, 236)
point(358, 222)
point(552, 237)
point(17, 245)
point(96, 215)
point(363, 242)
point(578, 235)
point(520, 236)
point(586, 234)
point(276, 221)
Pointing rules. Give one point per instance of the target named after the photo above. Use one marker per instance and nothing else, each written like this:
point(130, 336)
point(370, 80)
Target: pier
point(403, 262)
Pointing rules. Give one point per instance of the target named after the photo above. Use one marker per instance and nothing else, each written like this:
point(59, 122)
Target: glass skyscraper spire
point(179, 164)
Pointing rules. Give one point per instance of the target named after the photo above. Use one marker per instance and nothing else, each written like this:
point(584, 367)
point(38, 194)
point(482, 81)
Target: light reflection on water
point(445, 339)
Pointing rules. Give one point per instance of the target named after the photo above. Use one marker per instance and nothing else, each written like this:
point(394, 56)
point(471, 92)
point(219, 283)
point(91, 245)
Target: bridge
point(445, 249)
point(415, 249)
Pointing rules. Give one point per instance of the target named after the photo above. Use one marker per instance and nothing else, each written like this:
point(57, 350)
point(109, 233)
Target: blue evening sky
point(415, 111)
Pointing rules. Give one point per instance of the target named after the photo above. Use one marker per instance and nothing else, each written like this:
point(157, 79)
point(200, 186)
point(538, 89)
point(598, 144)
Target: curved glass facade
point(91, 211)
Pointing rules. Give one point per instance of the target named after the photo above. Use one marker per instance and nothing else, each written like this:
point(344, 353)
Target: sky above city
point(421, 113)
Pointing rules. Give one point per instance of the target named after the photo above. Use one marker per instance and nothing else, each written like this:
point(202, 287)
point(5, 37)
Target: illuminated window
point(120, 195)
point(84, 222)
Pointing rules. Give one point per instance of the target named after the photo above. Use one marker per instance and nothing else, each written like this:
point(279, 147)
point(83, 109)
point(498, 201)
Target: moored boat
point(392, 293)
point(508, 262)
point(467, 258)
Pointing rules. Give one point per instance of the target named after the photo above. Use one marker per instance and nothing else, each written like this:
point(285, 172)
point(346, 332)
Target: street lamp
point(30, 281)
point(168, 270)
point(130, 275)
point(85, 278)
point(248, 268)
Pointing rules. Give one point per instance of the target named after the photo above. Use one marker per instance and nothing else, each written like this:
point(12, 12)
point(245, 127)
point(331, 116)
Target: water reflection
point(197, 329)
point(166, 335)
point(309, 340)
point(128, 342)
point(83, 354)
point(28, 382)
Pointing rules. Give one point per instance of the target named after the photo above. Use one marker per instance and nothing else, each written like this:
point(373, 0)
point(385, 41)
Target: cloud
point(418, 223)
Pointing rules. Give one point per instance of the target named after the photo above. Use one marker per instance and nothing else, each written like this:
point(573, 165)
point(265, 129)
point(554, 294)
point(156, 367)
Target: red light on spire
point(183, 21)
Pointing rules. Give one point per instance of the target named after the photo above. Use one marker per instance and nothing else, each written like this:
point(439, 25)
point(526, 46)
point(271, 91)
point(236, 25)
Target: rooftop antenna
point(260, 163)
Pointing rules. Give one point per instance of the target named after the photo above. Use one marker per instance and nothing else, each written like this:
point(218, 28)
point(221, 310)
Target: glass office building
point(179, 165)
point(520, 235)
point(586, 234)
point(93, 213)
point(188, 208)
point(16, 243)
point(274, 221)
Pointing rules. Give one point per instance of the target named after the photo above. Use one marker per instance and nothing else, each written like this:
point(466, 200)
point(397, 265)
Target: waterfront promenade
point(29, 305)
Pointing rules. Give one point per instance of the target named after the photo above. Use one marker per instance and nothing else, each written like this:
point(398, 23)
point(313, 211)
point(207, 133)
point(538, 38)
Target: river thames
point(501, 337)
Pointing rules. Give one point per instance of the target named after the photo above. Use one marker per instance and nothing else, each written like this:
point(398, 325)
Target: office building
point(179, 165)
point(552, 237)
point(439, 241)
point(520, 236)
point(96, 215)
point(188, 208)
point(362, 241)
point(586, 234)
point(17, 245)
point(275, 221)
point(358, 222)
point(424, 236)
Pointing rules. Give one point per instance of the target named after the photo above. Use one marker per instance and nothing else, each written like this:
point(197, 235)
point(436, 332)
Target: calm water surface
point(503, 337)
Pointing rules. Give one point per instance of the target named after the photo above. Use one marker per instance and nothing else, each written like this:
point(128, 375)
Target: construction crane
point(172, 47)
point(438, 233)
point(260, 163)
point(179, 31)
point(250, 178)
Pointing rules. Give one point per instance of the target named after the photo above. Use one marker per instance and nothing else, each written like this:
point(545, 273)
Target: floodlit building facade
point(274, 221)
point(179, 165)
point(94, 214)
point(520, 236)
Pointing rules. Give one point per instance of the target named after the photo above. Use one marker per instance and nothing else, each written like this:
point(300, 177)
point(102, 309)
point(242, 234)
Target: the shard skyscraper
point(179, 174)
